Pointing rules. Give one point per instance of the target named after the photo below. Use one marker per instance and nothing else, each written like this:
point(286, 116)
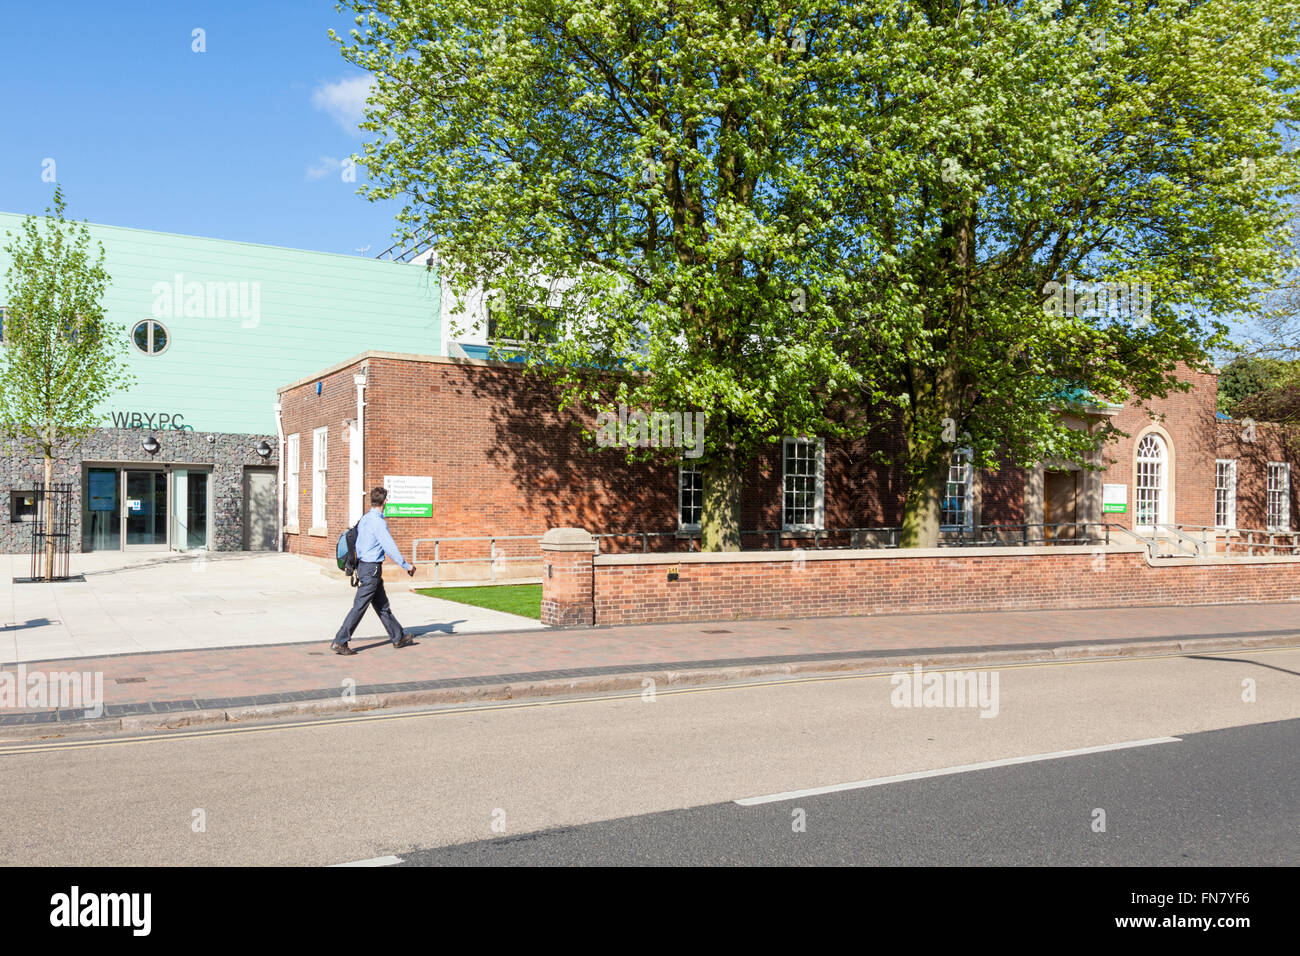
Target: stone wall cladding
point(780, 588)
point(227, 454)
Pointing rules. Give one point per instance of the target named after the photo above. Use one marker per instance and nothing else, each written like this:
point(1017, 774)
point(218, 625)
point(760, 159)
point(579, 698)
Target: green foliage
point(1246, 375)
point(60, 358)
point(809, 218)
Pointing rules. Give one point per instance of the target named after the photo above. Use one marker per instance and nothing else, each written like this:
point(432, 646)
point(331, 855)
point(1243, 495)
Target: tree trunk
point(720, 522)
point(921, 510)
point(48, 505)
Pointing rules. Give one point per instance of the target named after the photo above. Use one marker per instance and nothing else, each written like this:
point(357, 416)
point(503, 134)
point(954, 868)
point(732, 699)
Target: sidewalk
point(176, 688)
point(124, 603)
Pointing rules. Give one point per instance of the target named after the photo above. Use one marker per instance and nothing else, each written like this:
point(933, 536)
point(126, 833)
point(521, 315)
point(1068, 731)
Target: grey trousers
point(370, 592)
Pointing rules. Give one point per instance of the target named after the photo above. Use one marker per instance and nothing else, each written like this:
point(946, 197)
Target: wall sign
point(150, 420)
point(409, 496)
point(103, 490)
point(1114, 499)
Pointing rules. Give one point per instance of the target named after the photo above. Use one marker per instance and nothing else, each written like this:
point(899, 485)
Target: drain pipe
point(357, 507)
point(279, 481)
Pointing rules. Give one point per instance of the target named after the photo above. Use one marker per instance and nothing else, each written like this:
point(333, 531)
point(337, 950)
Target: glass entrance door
point(144, 509)
point(102, 515)
point(190, 506)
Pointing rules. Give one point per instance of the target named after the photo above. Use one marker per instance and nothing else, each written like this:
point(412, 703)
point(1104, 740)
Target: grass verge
point(522, 599)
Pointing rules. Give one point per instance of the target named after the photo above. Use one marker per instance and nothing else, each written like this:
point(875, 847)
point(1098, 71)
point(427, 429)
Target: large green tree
point(776, 212)
point(1022, 149)
point(60, 357)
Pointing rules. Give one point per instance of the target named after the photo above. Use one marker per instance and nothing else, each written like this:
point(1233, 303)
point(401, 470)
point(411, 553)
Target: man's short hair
point(378, 497)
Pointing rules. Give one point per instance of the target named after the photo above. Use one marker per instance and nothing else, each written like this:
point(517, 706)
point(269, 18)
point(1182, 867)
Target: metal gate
point(56, 498)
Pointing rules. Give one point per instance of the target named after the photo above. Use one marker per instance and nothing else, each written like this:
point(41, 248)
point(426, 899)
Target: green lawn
point(522, 599)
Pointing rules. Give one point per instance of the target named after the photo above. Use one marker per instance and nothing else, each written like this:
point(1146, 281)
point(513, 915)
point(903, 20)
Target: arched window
point(1152, 482)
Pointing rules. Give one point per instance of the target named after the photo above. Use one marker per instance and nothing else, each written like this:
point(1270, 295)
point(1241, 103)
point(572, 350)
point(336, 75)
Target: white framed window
point(1225, 493)
point(150, 337)
point(291, 480)
point(957, 509)
point(803, 484)
point(1279, 496)
point(690, 497)
point(319, 466)
point(1150, 506)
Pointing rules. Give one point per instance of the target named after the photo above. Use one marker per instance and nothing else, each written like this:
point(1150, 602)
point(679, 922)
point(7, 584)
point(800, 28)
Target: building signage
point(409, 496)
point(1114, 499)
point(150, 420)
point(134, 504)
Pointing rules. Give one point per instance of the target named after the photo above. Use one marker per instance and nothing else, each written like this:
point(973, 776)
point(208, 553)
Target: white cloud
point(344, 100)
point(326, 166)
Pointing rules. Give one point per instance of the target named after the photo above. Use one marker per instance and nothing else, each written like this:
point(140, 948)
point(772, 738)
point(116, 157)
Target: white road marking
point(377, 861)
point(946, 771)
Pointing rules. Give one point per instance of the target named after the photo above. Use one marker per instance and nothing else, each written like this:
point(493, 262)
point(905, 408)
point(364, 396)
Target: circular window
point(150, 337)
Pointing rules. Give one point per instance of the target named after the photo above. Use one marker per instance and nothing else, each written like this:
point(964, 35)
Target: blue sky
point(242, 141)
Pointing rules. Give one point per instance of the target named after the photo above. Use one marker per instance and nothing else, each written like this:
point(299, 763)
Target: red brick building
point(503, 462)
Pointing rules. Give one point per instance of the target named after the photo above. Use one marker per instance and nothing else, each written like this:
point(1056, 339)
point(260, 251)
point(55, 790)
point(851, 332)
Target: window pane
point(142, 337)
point(159, 337)
point(690, 485)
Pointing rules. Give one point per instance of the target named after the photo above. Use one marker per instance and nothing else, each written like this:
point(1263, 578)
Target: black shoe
point(342, 648)
point(406, 639)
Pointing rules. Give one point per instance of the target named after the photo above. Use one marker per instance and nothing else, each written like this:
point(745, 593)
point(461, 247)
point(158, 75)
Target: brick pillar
point(568, 596)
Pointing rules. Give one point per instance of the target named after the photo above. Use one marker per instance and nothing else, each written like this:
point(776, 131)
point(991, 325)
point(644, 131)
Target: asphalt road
point(1222, 798)
point(397, 785)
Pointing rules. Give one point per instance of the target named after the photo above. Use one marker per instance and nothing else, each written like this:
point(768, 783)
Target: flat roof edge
point(395, 357)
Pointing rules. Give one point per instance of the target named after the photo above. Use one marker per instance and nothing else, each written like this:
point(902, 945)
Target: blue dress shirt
point(374, 542)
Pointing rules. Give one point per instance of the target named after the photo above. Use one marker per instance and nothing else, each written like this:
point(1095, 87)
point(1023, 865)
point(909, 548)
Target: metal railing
point(1270, 541)
point(406, 249)
point(1166, 541)
point(52, 532)
point(987, 535)
point(497, 559)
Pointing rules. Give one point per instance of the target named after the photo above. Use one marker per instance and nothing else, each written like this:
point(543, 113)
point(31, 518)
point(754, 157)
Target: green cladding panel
point(244, 319)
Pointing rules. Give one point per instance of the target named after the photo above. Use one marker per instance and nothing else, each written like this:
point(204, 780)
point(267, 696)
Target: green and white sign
point(409, 496)
point(1114, 499)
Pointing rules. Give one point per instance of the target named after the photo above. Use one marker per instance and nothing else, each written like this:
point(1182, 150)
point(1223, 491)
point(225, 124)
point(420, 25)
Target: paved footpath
point(175, 688)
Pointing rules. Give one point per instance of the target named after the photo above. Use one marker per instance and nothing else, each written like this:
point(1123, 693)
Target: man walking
point(373, 544)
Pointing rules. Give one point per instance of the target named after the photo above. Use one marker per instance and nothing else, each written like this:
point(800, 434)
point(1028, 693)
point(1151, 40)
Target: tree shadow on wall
point(563, 478)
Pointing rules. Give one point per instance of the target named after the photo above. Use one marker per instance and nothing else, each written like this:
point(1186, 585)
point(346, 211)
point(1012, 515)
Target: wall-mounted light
point(150, 445)
point(263, 449)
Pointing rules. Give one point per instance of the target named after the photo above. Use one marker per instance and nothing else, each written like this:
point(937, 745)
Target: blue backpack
point(347, 553)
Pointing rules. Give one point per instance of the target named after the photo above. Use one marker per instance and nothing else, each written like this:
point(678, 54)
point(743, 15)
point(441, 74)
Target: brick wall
point(1270, 443)
point(504, 461)
point(632, 590)
point(301, 412)
point(1187, 421)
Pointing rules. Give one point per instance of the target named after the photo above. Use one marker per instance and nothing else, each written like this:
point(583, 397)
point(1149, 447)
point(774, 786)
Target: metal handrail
point(965, 536)
point(493, 557)
point(1149, 543)
point(1291, 544)
point(1198, 545)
